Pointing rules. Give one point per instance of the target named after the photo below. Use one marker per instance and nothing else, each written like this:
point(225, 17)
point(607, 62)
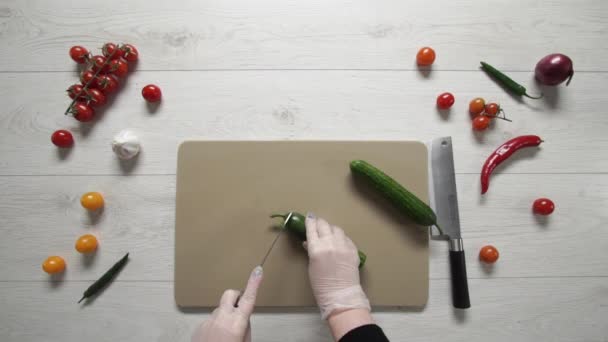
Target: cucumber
point(402, 199)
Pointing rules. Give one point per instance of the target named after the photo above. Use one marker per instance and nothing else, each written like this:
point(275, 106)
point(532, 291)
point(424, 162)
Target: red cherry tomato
point(151, 93)
point(75, 90)
point(481, 122)
point(95, 97)
point(488, 254)
point(492, 109)
point(99, 63)
point(445, 100)
point(62, 138)
point(476, 106)
point(88, 76)
point(119, 67)
point(107, 83)
point(130, 53)
point(111, 50)
point(543, 206)
point(79, 54)
point(82, 112)
point(425, 56)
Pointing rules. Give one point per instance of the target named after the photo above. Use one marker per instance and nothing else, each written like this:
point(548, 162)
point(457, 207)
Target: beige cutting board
point(227, 189)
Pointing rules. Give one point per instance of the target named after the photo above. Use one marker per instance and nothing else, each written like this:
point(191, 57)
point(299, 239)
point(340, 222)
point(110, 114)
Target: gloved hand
point(333, 268)
point(228, 323)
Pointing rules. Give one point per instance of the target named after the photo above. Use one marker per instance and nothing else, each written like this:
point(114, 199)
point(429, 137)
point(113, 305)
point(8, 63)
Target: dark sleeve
point(365, 333)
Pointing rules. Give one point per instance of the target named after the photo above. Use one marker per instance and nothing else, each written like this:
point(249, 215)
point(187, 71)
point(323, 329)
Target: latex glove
point(228, 323)
point(333, 268)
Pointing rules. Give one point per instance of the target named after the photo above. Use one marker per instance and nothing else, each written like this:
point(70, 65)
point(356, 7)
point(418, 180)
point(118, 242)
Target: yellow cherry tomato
point(86, 243)
point(92, 200)
point(53, 265)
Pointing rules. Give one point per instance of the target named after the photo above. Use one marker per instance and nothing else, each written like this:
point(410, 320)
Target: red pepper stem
point(532, 97)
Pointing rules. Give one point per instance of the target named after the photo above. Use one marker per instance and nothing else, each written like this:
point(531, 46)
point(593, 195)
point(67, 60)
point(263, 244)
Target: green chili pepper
point(506, 81)
point(296, 224)
point(105, 279)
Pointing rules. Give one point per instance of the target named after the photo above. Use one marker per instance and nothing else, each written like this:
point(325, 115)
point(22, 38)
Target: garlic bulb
point(126, 145)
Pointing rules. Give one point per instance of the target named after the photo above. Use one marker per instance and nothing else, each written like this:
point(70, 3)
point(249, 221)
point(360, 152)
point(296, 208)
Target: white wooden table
point(292, 69)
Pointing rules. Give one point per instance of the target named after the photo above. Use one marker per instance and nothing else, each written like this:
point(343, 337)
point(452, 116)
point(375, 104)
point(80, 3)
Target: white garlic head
point(126, 145)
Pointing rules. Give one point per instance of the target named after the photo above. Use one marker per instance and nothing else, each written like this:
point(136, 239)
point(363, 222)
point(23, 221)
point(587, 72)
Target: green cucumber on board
point(400, 197)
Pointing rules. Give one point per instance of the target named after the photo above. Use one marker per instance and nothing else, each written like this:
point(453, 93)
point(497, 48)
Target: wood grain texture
point(317, 34)
point(317, 105)
point(42, 216)
point(571, 309)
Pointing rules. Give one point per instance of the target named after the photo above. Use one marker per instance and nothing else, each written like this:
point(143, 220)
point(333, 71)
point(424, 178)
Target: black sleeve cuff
point(365, 333)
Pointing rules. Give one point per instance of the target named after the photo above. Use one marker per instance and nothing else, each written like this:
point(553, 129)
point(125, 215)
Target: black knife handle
point(460, 287)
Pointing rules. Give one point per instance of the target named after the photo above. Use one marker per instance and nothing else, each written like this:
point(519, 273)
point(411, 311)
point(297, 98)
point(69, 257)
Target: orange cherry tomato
point(92, 200)
point(425, 56)
point(477, 105)
point(86, 243)
point(53, 265)
point(488, 254)
point(481, 122)
point(492, 109)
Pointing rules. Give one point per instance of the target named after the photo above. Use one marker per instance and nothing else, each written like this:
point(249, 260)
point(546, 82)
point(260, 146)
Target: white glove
point(333, 268)
point(228, 323)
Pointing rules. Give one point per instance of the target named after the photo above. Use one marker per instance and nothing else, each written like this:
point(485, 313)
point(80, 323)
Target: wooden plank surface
point(290, 69)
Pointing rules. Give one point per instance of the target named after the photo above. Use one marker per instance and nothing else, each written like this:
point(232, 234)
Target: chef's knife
point(446, 208)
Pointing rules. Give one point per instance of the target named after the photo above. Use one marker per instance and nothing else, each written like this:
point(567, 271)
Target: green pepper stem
point(278, 215)
point(439, 229)
point(532, 97)
point(81, 299)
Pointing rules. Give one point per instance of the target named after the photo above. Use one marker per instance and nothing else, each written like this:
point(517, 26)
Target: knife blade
point(446, 208)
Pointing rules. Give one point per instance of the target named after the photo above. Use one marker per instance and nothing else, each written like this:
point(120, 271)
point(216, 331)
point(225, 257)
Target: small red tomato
point(481, 122)
point(79, 54)
point(99, 63)
point(488, 254)
point(95, 97)
point(88, 76)
point(477, 105)
point(445, 100)
point(425, 56)
point(111, 50)
point(62, 138)
point(107, 83)
point(151, 93)
point(543, 206)
point(75, 90)
point(82, 112)
point(492, 109)
point(118, 67)
point(130, 53)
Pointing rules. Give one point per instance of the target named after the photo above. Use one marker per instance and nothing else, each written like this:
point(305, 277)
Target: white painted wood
point(556, 309)
point(356, 105)
point(42, 216)
point(316, 34)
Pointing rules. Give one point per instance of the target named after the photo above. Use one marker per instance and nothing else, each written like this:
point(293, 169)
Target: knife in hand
point(446, 209)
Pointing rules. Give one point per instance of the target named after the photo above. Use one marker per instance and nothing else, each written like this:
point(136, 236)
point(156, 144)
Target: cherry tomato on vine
point(107, 83)
point(425, 56)
point(118, 67)
point(492, 109)
point(53, 265)
point(111, 50)
point(82, 112)
point(99, 63)
point(477, 105)
point(86, 244)
point(92, 201)
point(151, 93)
point(95, 97)
point(130, 53)
point(488, 254)
point(543, 206)
point(79, 54)
point(88, 76)
point(75, 90)
point(445, 100)
point(481, 122)
point(62, 138)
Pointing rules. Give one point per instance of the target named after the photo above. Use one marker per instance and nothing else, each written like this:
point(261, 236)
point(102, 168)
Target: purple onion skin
point(554, 69)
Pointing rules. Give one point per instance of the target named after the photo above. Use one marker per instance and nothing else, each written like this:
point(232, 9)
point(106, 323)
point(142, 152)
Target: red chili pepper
point(504, 152)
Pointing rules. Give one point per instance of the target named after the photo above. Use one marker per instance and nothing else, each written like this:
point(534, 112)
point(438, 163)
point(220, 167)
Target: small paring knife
point(446, 209)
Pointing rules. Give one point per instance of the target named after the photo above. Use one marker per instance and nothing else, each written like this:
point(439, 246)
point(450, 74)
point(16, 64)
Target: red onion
point(554, 69)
